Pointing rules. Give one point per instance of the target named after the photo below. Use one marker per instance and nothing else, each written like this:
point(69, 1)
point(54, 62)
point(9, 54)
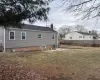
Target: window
point(23, 35)
point(43, 46)
point(53, 36)
point(39, 35)
point(94, 37)
point(83, 36)
point(70, 37)
point(80, 36)
point(12, 35)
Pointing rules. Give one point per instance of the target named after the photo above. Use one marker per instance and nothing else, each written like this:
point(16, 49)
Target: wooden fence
point(81, 42)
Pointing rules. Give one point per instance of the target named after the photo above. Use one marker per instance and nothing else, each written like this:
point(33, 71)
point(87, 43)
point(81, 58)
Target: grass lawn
point(73, 63)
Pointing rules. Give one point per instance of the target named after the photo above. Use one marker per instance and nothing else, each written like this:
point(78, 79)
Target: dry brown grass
point(74, 63)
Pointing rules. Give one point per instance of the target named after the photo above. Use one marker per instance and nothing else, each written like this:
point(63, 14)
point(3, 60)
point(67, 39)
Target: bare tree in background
point(80, 28)
point(94, 32)
point(88, 8)
point(64, 30)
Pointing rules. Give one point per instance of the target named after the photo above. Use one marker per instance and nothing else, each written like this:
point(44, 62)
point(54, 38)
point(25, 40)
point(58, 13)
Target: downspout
point(57, 39)
point(4, 41)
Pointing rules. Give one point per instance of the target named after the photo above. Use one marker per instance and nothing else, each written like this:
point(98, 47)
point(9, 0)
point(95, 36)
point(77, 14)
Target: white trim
point(21, 35)
point(4, 41)
point(9, 35)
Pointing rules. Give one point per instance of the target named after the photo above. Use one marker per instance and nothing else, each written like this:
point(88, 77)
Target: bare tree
point(64, 30)
point(94, 32)
point(90, 8)
point(80, 28)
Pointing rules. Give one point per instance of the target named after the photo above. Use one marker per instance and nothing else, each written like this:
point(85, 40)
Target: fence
point(81, 42)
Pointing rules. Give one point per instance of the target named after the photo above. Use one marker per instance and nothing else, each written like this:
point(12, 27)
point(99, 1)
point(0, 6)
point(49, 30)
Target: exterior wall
point(76, 36)
point(31, 38)
point(98, 38)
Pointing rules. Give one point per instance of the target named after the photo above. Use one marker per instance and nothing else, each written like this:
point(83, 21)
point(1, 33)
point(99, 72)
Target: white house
point(79, 36)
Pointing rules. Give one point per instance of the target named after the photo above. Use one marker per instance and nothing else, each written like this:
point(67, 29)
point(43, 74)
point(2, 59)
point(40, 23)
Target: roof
point(35, 27)
point(85, 33)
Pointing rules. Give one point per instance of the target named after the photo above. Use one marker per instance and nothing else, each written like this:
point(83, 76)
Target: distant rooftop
point(85, 33)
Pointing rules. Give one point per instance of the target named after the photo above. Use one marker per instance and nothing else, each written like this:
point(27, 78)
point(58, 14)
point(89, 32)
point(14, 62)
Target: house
point(98, 37)
point(28, 37)
point(79, 36)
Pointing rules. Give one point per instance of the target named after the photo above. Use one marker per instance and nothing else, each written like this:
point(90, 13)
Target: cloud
point(59, 17)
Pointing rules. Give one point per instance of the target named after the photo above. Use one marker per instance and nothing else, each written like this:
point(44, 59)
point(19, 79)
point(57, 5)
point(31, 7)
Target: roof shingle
point(35, 27)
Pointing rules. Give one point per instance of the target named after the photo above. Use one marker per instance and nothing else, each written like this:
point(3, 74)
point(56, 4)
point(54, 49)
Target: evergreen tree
point(13, 12)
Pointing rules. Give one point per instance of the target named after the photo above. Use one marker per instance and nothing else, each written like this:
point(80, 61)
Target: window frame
point(21, 35)
point(9, 35)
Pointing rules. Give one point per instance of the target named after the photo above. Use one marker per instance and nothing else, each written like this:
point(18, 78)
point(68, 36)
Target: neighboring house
point(98, 37)
point(79, 36)
point(28, 37)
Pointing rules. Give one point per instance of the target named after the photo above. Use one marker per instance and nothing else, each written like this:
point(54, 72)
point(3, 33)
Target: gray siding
point(31, 38)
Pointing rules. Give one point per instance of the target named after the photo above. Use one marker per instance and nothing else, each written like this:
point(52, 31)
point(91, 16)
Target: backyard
point(69, 63)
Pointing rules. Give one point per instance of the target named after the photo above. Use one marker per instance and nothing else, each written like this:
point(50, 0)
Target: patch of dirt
point(93, 78)
point(58, 49)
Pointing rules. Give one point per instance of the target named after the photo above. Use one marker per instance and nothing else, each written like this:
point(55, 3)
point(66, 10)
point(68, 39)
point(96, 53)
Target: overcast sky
point(59, 17)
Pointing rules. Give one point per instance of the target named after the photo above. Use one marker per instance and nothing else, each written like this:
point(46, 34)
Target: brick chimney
point(51, 26)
